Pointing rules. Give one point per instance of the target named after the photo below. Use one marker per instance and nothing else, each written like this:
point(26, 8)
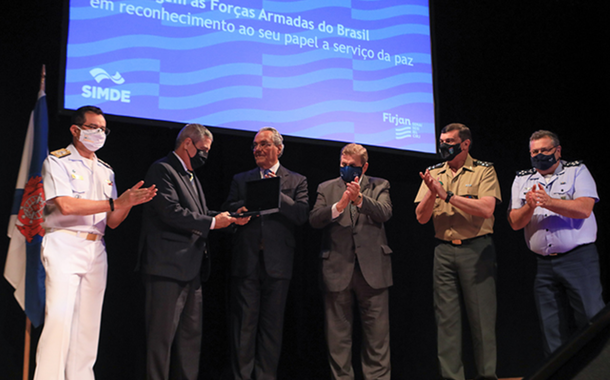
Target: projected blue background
point(355, 71)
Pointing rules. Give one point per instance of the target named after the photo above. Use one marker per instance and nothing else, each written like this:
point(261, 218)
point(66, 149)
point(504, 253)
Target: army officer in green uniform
point(460, 196)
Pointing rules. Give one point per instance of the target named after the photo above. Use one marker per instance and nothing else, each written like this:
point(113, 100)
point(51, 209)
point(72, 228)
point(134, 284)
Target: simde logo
point(101, 74)
point(111, 94)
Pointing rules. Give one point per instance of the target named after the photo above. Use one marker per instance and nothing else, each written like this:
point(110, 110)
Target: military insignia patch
point(483, 163)
point(103, 163)
point(75, 175)
point(60, 153)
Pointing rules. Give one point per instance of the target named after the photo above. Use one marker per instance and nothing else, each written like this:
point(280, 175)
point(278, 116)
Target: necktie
point(192, 179)
point(353, 213)
point(267, 173)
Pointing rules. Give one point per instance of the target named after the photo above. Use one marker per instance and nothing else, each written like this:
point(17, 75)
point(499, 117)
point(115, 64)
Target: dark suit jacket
point(274, 231)
point(175, 224)
point(341, 241)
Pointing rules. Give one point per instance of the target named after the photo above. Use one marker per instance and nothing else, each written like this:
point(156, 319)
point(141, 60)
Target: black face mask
point(449, 152)
point(199, 159)
point(543, 161)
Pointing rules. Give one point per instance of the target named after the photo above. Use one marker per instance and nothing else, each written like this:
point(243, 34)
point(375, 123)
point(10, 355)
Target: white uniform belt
point(81, 234)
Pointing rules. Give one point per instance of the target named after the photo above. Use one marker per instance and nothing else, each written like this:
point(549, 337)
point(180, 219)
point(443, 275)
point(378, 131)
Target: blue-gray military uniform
point(568, 274)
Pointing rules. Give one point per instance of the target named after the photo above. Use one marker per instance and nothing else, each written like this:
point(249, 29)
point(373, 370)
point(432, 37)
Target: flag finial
point(43, 76)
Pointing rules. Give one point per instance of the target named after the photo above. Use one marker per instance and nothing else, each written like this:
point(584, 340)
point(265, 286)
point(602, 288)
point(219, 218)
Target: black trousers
point(257, 320)
point(173, 328)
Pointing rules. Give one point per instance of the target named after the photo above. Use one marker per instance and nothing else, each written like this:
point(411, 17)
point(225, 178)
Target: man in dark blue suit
point(174, 257)
point(261, 266)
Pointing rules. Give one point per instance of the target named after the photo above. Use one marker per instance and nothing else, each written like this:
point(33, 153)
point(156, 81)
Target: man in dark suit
point(355, 262)
point(261, 265)
point(173, 248)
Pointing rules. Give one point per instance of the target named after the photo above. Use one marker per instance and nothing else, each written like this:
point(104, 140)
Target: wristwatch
point(449, 195)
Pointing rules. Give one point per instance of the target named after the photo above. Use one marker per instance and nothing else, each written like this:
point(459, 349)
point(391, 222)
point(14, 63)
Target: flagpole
point(28, 323)
point(26, 350)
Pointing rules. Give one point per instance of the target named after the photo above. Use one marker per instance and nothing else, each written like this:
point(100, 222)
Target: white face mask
point(92, 139)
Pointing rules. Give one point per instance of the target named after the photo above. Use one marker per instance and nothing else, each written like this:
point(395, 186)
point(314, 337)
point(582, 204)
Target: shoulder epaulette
point(573, 163)
point(439, 165)
point(105, 164)
point(521, 173)
point(59, 153)
point(483, 163)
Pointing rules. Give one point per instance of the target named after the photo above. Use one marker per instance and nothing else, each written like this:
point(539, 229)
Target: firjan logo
point(103, 93)
point(101, 74)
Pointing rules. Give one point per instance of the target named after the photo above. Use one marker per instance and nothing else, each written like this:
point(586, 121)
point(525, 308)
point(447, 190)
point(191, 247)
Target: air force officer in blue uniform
point(553, 203)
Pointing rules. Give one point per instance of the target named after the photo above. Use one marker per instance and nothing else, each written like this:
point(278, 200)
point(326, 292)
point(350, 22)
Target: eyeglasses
point(92, 127)
point(262, 145)
point(545, 151)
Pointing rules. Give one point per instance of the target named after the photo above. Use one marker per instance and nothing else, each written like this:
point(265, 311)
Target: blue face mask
point(349, 173)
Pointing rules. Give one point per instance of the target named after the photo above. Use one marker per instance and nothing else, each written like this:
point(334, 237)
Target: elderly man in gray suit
point(355, 262)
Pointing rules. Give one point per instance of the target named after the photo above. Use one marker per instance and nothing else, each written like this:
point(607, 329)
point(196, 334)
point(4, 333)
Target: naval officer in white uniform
point(81, 199)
